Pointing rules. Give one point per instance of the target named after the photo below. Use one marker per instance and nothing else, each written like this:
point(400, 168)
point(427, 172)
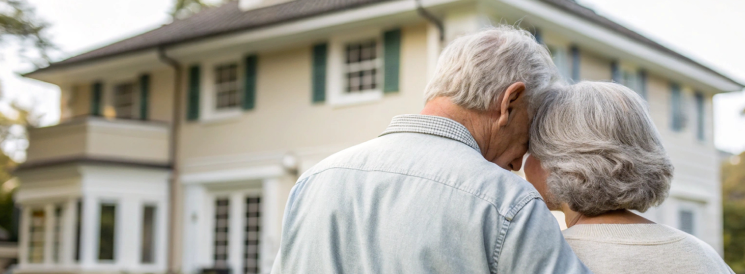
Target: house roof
point(229, 18)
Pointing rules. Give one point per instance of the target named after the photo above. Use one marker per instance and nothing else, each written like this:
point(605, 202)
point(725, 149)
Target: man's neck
point(479, 129)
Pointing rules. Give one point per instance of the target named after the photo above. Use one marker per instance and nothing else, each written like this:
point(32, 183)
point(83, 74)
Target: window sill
point(350, 99)
point(223, 116)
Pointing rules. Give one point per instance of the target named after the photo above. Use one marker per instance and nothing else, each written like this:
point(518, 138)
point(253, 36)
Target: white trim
point(303, 26)
point(614, 43)
point(232, 175)
point(336, 70)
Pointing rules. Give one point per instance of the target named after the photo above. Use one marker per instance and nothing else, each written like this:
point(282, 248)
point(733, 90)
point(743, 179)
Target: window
point(124, 100)
point(561, 61)
point(700, 117)
point(227, 93)
point(36, 236)
point(107, 228)
point(253, 230)
point(362, 67)
point(686, 221)
point(678, 118)
point(222, 223)
point(57, 234)
point(78, 226)
point(148, 235)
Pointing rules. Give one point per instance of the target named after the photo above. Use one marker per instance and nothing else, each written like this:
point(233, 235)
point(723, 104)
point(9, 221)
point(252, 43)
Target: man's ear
point(506, 105)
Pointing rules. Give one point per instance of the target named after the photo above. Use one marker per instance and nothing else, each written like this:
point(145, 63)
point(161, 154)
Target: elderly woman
point(596, 156)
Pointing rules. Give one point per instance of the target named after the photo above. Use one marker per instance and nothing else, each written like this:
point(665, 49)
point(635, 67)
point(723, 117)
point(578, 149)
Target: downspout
point(175, 184)
point(431, 18)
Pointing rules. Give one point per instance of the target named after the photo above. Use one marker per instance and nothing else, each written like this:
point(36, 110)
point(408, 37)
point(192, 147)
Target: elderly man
point(433, 194)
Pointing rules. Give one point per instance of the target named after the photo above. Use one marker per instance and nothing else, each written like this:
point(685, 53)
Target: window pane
point(252, 236)
point(676, 107)
point(227, 93)
point(57, 233)
point(78, 223)
point(362, 66)
point(36, 236)
point(700, 117)
point(148, 234)
point(222, 222)
point(686, 221)
point(106, 232)
point(124, 100)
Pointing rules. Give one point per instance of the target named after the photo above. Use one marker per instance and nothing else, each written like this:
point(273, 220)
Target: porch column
point(89, 232)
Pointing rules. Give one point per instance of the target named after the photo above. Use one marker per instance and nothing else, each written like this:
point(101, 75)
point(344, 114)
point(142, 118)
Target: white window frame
point(216, 87)
point(236, 234)
point(337, 69)
point(208, 95)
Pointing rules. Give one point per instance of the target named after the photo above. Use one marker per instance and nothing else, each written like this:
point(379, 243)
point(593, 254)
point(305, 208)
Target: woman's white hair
point(600, 148)
point(475, 69)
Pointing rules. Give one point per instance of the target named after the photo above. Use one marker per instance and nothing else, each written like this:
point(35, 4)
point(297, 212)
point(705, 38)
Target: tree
point(18, 24)
point(18, 20)
point(185, 8)
point(733, 209)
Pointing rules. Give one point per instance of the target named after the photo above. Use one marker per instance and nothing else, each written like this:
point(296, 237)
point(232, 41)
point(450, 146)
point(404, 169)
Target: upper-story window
point(700, 117)
point(677, 113)
point(124, 100)
point(227, 87)
point(561, 60)
point(362, 66)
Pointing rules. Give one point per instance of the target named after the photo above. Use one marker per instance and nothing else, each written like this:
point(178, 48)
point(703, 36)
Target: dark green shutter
point(192, 107)
point(249, 88)
point(391, 60)
point(96, 97)
point(575, 64)
point(144, 95)
point(320, 53)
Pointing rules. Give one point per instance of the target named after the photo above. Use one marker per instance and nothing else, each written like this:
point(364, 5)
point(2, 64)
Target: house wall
point(285, 119)
point(696, 184)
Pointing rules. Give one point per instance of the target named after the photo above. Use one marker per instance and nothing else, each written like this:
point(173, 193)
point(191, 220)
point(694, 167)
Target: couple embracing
point(434, 192)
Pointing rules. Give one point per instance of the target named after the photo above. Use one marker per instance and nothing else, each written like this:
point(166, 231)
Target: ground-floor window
point(222, 225)
point(57, 233)
point(106, 236)
point(148, 235)
point(252, 233)
point(36, 236)
point(686, 221)
point(78, 227)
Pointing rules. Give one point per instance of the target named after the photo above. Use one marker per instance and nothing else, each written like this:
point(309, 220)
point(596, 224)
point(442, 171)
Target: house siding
point(284, 119)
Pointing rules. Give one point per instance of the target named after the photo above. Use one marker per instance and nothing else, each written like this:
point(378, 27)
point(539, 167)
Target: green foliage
point(18, 20)
point(18, 25)
point(733, 207)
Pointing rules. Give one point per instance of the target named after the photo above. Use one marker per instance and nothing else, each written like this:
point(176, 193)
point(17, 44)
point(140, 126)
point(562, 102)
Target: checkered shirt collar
point(432, 125)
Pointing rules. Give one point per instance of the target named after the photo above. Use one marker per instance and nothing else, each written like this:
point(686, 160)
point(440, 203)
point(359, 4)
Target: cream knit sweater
point(642, 248)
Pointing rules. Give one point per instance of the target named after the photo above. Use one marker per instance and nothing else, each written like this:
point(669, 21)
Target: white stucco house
point(177, 148)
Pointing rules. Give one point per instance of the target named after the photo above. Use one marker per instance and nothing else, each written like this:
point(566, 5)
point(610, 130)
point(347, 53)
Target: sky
point(704, 30)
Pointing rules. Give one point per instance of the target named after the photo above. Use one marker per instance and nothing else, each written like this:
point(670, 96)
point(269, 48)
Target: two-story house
point(177, 148)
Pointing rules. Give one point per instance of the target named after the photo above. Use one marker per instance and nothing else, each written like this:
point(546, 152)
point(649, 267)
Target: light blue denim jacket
point(419, 199)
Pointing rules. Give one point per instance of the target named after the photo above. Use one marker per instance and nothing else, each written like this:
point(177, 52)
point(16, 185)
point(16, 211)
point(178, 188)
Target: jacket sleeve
point(533, 243)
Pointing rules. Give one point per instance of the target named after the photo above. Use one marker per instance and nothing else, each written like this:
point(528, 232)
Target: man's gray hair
point(600, 148)
point(475, 69)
